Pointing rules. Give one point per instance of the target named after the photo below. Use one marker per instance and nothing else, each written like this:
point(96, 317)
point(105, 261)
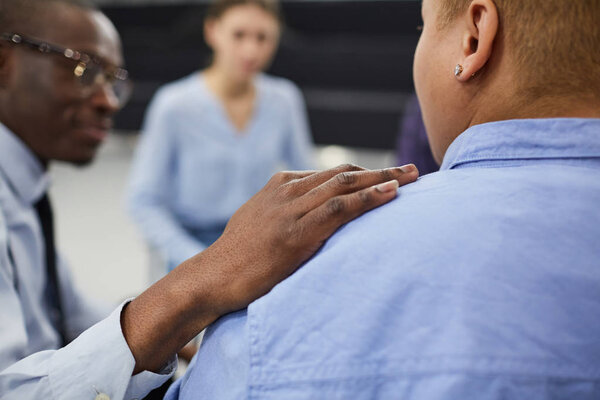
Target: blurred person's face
point(45, 106)
point(244, 40)
point(442, 102)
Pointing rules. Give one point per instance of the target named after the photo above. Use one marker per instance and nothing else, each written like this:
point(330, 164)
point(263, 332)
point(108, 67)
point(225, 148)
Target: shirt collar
point(25, 173)
point(525, 139)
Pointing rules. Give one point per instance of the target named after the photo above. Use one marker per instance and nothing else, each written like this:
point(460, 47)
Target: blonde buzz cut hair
point(556, 43)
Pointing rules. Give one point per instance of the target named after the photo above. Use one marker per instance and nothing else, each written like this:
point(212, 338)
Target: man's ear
point(478, 40)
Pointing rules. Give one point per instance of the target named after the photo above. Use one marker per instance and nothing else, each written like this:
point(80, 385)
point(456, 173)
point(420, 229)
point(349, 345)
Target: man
point(60, 84)
point(481, 281)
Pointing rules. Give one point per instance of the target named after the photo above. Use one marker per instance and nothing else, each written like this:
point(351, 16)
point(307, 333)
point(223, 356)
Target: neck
point(489, 104)
point(224, 86)
point(549, 106)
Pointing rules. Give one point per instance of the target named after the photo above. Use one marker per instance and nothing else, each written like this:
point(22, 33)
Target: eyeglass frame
point(82, 59)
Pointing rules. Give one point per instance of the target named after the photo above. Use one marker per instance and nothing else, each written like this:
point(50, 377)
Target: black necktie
point(44, 212)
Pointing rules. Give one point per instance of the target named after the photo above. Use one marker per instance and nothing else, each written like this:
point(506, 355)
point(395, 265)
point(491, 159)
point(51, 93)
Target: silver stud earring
point(458, 70)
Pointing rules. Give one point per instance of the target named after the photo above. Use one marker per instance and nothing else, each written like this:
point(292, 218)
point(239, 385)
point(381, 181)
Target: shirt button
point(102, 396)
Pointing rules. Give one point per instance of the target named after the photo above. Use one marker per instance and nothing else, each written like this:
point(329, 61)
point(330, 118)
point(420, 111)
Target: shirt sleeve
point(299, 151)
point(98, 361)
point(150, 186)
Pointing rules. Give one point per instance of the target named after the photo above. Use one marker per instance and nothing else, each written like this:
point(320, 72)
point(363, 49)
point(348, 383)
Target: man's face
point(46, 107)
point(442, 103)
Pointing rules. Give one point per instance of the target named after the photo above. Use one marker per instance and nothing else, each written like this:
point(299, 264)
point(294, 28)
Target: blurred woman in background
point(212, 139)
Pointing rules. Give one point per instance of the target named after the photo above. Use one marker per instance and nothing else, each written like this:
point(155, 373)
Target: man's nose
point(104, 98)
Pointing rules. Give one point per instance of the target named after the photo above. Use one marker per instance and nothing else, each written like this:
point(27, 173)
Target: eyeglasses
point(90, 72)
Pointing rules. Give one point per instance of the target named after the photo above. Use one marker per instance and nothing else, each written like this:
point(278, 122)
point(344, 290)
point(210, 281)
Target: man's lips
point(96, 132)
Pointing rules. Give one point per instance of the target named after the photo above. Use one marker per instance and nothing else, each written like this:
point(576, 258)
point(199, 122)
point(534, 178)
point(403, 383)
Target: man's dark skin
point(264, 242)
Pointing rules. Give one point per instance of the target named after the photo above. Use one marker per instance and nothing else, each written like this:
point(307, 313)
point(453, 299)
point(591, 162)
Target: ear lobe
point(478, 41)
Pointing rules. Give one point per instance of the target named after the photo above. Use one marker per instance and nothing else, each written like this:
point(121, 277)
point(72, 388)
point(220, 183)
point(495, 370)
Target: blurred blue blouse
point(193, 169)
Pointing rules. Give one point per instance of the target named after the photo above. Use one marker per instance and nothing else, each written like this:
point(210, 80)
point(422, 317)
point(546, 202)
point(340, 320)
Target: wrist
point(216, 283)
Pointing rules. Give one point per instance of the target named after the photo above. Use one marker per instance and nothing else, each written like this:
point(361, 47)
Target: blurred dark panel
point(352, 59)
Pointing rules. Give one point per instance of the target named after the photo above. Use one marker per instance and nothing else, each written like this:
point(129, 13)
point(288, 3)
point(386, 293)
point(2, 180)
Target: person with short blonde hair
point(481, 281)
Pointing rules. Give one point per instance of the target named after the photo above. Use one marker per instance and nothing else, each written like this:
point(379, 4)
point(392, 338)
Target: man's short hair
point(556, 43)
point(16, 14)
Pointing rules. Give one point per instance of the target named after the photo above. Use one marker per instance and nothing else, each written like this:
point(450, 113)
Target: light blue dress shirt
point(193, 169)
point(98, 360)
point(481, 281)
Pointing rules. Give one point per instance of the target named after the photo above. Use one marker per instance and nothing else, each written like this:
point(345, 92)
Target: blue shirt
point(193, 169)
point(481, 281)
point(98, 360)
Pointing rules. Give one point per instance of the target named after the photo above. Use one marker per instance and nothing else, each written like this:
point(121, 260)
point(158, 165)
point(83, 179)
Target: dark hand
point(285, 223)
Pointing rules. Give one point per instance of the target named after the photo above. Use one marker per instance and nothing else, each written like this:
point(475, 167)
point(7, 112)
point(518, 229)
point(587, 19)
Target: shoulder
point(279, 88)
point(453, 225)
point(177, 93)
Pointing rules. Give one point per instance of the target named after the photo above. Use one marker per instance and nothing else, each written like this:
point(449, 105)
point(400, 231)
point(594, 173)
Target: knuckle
point(335, 206)
point(276, 178)
point(345, 178)
point(290, 233)
point(293, 236)
point(290, 190)
point(282, 177)
point(349, 167)
point(387, 174)
point(365, 197)
point(286, 190)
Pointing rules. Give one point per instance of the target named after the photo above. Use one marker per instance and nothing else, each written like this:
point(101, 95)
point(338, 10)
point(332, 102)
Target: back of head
point(555, 43)
point(19, 15)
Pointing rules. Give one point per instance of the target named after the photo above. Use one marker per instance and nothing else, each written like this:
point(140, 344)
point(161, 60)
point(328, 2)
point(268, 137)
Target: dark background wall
point(352, 60)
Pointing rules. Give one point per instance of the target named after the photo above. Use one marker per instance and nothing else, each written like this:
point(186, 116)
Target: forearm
point(164, 318)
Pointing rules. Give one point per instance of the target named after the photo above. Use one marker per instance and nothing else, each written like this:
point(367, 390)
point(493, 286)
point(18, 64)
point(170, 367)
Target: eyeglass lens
point(92, 75)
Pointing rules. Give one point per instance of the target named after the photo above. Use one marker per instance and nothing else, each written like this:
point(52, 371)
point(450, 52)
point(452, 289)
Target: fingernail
point(387, 186)
point(408, 168)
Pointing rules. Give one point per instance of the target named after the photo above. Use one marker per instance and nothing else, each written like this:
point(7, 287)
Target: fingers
point(333, 213)
point(305, 183)
point(283, 177)
point(349, 182)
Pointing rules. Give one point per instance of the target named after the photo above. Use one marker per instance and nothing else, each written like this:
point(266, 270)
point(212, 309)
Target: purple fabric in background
point(412, 145)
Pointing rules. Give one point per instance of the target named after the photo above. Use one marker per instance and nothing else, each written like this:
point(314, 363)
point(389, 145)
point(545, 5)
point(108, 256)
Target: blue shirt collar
point(24, 172)
point(565, 138)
